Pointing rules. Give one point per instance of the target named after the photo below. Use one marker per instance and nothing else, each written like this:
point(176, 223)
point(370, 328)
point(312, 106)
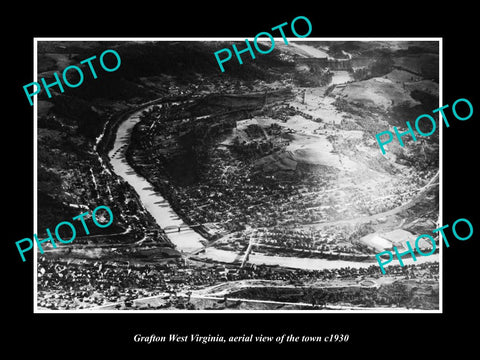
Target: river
point(187, 240)
point(340, 77)
point(304, 263)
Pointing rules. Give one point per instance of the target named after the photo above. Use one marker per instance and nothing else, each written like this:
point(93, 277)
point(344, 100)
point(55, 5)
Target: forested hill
point(69, 123)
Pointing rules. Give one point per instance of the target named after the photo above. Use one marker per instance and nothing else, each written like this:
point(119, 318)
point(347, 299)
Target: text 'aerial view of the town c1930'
point(260, 188)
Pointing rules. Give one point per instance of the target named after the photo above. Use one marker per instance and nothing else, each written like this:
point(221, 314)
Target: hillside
point(71, 175)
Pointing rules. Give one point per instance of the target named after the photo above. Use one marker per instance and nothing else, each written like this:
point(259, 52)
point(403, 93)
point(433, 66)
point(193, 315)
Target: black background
point(60, 335)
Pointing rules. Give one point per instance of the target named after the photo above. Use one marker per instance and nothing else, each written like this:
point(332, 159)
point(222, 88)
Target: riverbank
point(187, 240)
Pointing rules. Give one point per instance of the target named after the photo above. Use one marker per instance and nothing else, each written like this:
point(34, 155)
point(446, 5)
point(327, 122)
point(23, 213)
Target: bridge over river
point(184, 237)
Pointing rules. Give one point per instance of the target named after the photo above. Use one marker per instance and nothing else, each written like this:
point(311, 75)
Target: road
point(222, 295)
point(324, 307)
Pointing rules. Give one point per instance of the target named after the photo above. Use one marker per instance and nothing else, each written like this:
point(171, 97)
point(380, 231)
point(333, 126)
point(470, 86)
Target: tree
point(382, 66)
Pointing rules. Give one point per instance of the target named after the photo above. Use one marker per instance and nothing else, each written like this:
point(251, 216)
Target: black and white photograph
point(219, 181)
point(259, 188)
